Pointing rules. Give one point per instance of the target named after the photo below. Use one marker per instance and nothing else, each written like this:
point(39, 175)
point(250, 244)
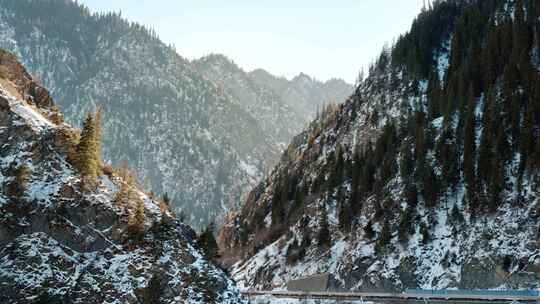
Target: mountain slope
point(272, 99)
point(177, 129)
point(63, 243)
point(303, 93)
point(426, 177)
point(256, 99)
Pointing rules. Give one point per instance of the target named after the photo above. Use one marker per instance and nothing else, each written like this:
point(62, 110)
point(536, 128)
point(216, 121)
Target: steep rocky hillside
point(64, 242)
point(427, 176)
point(180, 131)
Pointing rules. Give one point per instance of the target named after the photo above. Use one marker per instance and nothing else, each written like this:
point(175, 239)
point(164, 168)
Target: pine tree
point(385, 236)
point(136, 223)
point(292, 254)
point(528, 143)
point(280, 199)
point(98, 135)
point(85, 159)
point(367, 173)
point(456, 215)
point(88, 155)
point(355, 202)
point(165, 198)
point(469, 146)
point(125, 192)
point(405, 225)
point(521, 35)
point(433, 95)
point(339, 167)
point(368, 230)
point(430, 186)
point(164, 204)
point(424, 231)
point(496, 182)
point(490, 55)
point(151, 294)
point(344, 211)
point(208, 243)
point(487, 140)
point(407, 162)
point(515, 121)
point(297, 208)
point(411, 194)
point(420, 137)
point(324, 239)
point(448, 156)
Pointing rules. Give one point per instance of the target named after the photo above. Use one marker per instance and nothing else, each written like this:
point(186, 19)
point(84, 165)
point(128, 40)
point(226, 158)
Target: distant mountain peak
point(302, 77)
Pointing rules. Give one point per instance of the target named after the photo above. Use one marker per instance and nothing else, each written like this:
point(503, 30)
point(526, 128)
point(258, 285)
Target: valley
point(131, 174)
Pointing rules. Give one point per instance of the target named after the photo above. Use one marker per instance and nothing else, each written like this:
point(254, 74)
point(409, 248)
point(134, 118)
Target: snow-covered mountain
point(427, 176)
point(61, 242)
point(180, 130)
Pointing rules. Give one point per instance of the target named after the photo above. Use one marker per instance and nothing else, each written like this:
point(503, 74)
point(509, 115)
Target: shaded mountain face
point(63, 243)
point(427, 176)
point(180, 131)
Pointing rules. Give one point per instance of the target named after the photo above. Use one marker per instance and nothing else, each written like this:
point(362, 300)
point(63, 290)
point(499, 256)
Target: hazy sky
point(322, 38)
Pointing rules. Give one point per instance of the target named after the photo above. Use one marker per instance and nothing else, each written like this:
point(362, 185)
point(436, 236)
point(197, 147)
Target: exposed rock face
point(360, 169)
point(62, 244)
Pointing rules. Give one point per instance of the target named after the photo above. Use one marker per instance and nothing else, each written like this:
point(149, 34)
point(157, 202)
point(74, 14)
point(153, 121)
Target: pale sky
point(322, 38)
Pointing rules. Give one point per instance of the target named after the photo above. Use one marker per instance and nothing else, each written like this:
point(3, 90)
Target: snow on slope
point(60, 242)
point(497, 249)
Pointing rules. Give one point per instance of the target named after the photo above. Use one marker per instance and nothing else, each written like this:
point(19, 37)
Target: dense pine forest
point(443, 134)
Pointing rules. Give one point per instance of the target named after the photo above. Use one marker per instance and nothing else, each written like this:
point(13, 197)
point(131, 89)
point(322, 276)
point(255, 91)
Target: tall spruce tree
point(87, 155)
point(487, 140)
point(324, 239)
point(208, 243)
point(136, 223)
point(98, 120)
point(469, 145)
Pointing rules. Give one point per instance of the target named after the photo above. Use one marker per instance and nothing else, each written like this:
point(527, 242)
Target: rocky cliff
point(62, 242)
